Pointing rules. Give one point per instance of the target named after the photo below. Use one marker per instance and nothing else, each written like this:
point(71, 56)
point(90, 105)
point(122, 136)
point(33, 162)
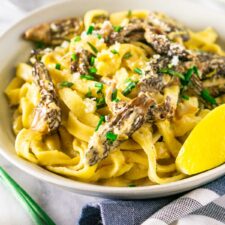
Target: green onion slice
point(89, 94)
point(66, 84)
point(92, 70)
point(77, 38)
point(92, 61)
point(127, 55)
point(114, 95)
point(100, 103)
point(172, 73)
point(114, 51)
point(87, 77)
point(93, 48)
point(90, 30)
point(117, 28)
point(138, 71)
point(57, 66)
point(99, 86)
point(186, 97)
point(205, 94)
point(74, 57)
point(131, 85)
point(110, 136)
point(101, 120)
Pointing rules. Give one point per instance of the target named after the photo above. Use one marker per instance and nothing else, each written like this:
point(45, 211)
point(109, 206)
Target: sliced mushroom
point(55, 32)
point(47, 116)
point(82, 62)
point(122, 126)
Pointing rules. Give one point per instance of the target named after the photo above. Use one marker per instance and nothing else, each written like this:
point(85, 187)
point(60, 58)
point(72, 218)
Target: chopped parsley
point(186, 97)
point(57, 66)
point(77, 38)
point(99, 86)
point(172, 73)
point(114, 95)
point(131, 85)
point(205, 94)
point(114, 51)
point(74, 57)
point(138, 71)
point(111, 137)
point(87, 77)
point(89, 94)
point(117, 28)
point(66, 84)
point(127, 55)
point(92, 61)
point(92, 70)
point(93, 48)
point(100, 103)
point(101, 120)
point(90, 30)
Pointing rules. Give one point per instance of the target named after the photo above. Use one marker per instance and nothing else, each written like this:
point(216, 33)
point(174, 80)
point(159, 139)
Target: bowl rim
point(94, 189)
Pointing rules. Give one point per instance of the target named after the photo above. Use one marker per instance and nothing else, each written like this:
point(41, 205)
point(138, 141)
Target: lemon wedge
point(204, 148)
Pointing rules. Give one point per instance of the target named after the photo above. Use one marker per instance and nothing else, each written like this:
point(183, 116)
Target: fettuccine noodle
point(148, 156)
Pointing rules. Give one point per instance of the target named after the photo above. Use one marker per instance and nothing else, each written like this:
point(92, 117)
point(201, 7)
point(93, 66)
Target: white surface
point(63, 206)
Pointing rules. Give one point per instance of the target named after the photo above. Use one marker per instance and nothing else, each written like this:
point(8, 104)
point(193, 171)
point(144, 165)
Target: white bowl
point(13, 49)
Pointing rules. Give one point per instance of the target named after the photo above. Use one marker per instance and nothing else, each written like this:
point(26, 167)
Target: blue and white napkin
point(205, 205)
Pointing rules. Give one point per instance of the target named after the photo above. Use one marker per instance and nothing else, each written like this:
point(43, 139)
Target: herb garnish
point(172, 73)
point(99, 36)
point(57, 66)
point(114, 51)
point(100, 103)
point(188, 75)
point(131, 85)
point(131, 185)
point(92, 61)
point(186, 97)
point(74, 57)
point(114, 95)
point(93, 48)
point(111, 137)
point(77, 38)
point(127, 55)
point(138, 71)
point(117, 28)
point(92, 70)
point(99, 86)
point(66, 84)
point(101, 120)
point(205, 94)
point(87, 77)
point(90, 30)
point(89, 94)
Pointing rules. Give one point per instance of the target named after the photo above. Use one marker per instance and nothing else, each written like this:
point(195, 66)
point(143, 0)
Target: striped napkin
point(205, 205)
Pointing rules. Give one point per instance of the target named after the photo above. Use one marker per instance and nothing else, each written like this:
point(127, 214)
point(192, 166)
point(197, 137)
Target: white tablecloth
point(64, 207)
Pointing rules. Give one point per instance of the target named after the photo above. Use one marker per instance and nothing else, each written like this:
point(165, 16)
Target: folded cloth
point(205, 205)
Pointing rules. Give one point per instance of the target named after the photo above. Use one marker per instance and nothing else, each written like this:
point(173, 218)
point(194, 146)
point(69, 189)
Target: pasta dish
point(111, 98)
